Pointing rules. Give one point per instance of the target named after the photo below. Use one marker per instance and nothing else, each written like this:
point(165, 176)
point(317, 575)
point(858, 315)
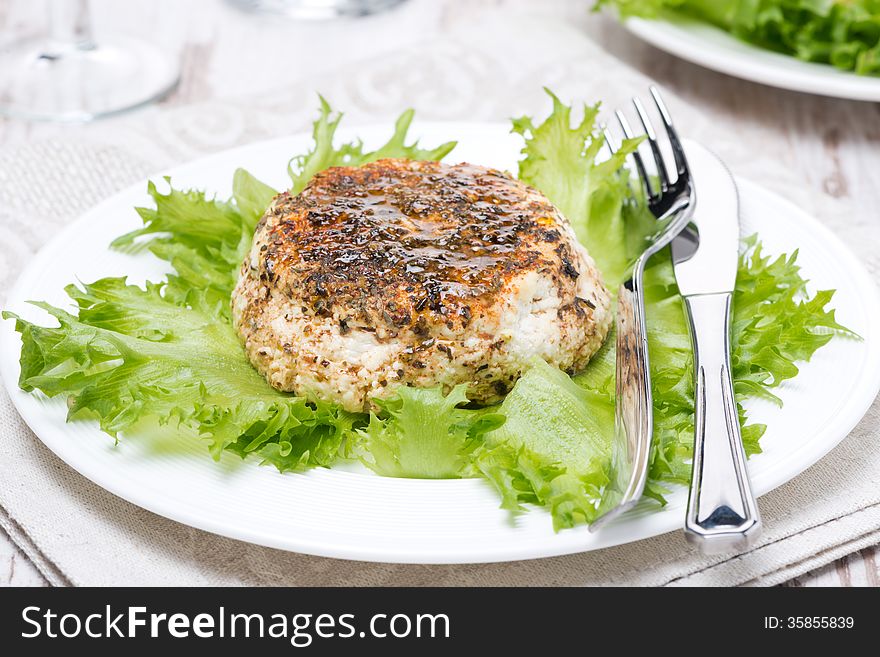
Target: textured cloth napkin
point(79, 534)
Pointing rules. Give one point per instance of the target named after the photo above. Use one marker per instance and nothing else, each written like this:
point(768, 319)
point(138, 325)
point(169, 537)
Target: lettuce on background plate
point(168, 351)
point(843, 33)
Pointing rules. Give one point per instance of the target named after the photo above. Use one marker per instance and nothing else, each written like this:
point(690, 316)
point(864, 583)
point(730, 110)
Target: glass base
point(46, 82)
point(317, 9)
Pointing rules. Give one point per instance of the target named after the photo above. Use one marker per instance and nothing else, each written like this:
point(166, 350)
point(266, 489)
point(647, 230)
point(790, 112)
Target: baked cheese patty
point(409, 273)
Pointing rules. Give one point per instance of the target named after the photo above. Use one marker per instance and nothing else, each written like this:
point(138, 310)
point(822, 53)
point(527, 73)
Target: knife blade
point(705, 261)
point(722, 512)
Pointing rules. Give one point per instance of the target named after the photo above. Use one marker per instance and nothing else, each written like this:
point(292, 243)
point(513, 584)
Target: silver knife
point(722, 513)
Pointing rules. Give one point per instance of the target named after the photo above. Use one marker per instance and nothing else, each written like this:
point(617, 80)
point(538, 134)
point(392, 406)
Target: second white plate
point(713, 48)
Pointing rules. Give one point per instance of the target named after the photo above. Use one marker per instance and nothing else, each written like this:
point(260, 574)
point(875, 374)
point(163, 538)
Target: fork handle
point(722, 512)
point(633, 420)
point(634, 412)
point(634, 407)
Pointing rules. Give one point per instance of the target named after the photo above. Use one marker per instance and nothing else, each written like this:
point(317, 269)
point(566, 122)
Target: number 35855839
point(809, 622)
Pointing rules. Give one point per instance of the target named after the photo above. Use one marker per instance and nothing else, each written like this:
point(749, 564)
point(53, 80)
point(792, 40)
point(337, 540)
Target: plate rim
point(768, 67)
point(855, 409)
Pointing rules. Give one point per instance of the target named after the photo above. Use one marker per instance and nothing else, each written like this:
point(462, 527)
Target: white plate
point(714, 48)
point(357, 515)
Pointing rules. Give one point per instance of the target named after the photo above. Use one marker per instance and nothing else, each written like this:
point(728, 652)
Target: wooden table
point(832, 145)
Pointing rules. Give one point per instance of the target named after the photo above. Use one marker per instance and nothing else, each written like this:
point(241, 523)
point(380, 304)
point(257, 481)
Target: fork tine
point(652, 141)
point(612, 145)
point(637, 158)
point(609, 139)
point(681, 164)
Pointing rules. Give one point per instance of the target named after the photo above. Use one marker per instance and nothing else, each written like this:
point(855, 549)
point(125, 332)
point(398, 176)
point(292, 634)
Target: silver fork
point(671, 200)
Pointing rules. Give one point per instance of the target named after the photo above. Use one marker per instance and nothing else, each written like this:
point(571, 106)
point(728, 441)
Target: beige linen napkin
point(79, 534)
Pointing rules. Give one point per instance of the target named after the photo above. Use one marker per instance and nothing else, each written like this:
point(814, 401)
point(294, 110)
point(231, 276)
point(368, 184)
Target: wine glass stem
point(70, 25)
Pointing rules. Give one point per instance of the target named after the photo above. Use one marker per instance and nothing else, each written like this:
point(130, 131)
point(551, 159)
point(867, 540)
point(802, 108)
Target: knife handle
point(722, 512)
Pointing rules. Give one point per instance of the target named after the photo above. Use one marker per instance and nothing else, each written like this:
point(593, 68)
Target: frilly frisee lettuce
point(167, 351)
point(425, 433)
point(844, 33)
point(325, 155)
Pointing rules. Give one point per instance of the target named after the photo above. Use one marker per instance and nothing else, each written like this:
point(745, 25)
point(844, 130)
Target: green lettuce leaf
point(205, 240)
point(551, 449)
point(325, 155)
point(130, 353)
point(424, 434)
point(843, 33)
